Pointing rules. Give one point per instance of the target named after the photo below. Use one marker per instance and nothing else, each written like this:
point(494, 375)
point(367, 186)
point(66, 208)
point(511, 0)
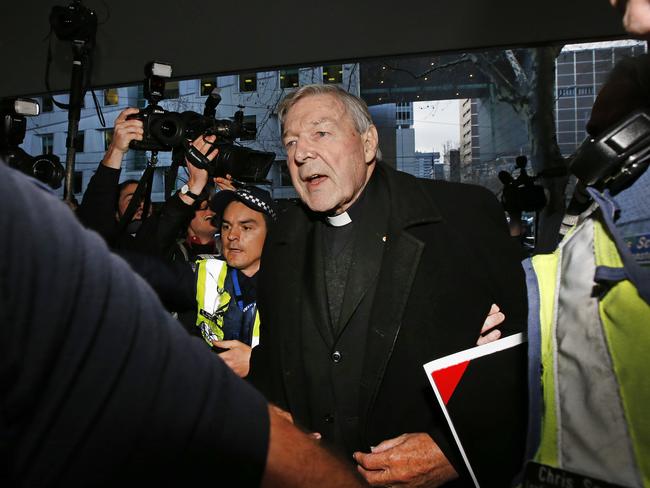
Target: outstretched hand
point(410, 460)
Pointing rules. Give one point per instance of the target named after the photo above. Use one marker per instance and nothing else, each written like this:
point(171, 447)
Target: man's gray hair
point(355, 107)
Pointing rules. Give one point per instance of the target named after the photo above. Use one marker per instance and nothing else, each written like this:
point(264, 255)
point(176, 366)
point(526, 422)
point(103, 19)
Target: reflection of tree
point(521, 78)
point(525, 79)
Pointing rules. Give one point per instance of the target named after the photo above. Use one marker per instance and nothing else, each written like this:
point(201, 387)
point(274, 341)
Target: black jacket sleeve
point(173, 281)
point(98, 206)
point(174, 218)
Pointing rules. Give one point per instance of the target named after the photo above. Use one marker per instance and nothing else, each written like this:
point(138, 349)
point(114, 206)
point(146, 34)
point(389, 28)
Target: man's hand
point(295, 461)
point(198, 178)
point(237, 357)
point(224, 183)
point(282, 413)
point(411, 460)
point(124, 131)
point(495, 317)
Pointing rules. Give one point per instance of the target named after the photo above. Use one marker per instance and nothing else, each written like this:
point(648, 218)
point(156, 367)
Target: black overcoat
point(446, 258)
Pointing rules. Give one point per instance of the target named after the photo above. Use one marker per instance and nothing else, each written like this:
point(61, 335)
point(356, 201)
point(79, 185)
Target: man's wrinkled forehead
point(331, 103)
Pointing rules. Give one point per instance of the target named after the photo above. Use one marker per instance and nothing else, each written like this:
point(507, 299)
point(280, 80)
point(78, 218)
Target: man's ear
point(370, 143)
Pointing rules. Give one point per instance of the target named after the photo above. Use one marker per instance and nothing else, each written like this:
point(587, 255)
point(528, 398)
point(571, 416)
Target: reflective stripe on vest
point(213, 300)
point(211, 297)
point(593, 342)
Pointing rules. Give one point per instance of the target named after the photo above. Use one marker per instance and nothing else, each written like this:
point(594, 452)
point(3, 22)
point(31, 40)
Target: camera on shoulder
point(45, 167)
point(166, 130)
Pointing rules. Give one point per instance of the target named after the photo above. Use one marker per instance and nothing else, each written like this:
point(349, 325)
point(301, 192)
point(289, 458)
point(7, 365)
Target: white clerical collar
point(339, 220)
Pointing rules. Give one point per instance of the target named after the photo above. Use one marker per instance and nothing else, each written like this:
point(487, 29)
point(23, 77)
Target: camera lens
point(48, 169)
point(167, 128)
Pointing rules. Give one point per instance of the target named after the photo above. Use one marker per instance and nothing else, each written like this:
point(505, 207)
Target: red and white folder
point(482, 392)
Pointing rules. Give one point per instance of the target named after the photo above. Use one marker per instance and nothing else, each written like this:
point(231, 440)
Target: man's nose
point(304, 151)
point(233, 235)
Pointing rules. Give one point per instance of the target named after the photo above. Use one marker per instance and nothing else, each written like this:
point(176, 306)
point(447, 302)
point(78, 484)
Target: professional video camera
point(46, 167)
point(521, 194)
point(165, 130)
point(617, 157)
point(74, 22)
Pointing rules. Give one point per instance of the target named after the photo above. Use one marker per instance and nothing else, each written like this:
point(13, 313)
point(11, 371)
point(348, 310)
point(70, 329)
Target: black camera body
point(165, 130)
point(157, 127)
point(617, 157)
point(73, 22)
point(45, 167)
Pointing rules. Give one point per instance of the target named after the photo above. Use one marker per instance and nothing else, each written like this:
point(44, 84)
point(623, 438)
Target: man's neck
point(250, 272)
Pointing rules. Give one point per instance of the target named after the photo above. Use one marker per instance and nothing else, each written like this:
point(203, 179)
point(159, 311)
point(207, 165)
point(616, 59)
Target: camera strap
point(143, 190)
point(196, 157)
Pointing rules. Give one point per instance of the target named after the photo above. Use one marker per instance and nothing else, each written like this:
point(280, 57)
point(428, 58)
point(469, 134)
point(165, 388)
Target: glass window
point(111, 96)
point(47, 143)
point(79, 141)
point(207, 85)
point(333, 74)
point(171, 90)
point(250, 124)
point(108, 137)
point(289, 78)
point(248, 82)
point(139, 159)
point(141, 102)
point(285, 176)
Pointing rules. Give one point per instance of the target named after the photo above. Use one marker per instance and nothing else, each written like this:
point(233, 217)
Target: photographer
point(187, 213)
point(105, 201)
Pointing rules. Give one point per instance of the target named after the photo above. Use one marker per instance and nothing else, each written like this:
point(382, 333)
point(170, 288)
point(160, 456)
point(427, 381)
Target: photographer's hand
point(124, 132)
point(224, 183)
point(198, 178)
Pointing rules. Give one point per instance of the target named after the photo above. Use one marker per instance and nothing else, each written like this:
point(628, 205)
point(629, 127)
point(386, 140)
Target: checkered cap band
point(257, 202)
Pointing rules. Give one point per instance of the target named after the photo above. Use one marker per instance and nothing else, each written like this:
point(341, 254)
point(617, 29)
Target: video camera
point(165, 130)
point(521, 194)
point(617, 157)
point(74, 22)
point(45, 167)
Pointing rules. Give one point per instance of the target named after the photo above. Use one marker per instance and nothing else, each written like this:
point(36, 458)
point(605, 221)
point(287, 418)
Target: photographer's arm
point(124, 131)
point(97, 209)
point(198, 178)
point(178, 210)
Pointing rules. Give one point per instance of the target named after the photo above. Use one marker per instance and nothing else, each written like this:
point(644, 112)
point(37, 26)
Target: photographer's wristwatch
point(185, 190)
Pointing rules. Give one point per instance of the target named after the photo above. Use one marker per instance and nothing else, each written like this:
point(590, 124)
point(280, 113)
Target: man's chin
point(320, 205)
